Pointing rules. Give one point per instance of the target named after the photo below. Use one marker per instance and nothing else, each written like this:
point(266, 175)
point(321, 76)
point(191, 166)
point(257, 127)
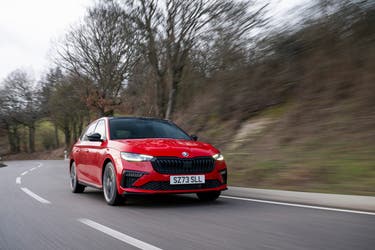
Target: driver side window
point(89, 131)
point(100, 128)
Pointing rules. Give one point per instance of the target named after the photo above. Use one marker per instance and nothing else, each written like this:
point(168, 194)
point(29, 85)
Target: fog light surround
point(224, 175)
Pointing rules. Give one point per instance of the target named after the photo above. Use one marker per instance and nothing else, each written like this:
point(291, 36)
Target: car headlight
point(218, 157)
point(135, 157)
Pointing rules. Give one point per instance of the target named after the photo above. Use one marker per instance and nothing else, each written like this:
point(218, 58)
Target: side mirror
point(194, 137)
point(95, 137)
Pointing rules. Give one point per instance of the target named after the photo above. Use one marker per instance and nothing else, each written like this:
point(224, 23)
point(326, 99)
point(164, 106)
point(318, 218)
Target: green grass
point(275, 111)
point(331, 161)
point(335, 168)
point(45, 135)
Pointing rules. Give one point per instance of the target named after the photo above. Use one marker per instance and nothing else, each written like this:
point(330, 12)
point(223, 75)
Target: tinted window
point(144, 128)
point(100, 128)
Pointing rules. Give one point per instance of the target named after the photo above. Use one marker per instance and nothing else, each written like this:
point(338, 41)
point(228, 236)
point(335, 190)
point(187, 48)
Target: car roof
point(136, 118)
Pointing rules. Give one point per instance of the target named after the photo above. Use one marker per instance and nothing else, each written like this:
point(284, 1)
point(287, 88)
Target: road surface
point(38, 211)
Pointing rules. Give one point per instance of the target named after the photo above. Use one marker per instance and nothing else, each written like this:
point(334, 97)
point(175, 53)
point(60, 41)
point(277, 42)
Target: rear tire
point(111, 195)
point(74, 185)
point(209, 196)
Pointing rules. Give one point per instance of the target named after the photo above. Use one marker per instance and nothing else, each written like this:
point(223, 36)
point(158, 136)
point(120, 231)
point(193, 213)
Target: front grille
point(129, 177)
point(175, 165)
point(164, 185)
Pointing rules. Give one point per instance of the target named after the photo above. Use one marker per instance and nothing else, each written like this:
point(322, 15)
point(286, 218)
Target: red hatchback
point(124, 155)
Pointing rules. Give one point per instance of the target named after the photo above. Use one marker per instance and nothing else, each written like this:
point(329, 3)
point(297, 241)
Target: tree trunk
point(11, 140)
point(80, 126)
point(17, 140)
point(32, 138)
point(160, 89)
point(57, 141)
point(171, 103)
point(100, 111)
point(67, 137)
point(75, 131)
point(109, 112)
point(157, 101)
point(173, 93)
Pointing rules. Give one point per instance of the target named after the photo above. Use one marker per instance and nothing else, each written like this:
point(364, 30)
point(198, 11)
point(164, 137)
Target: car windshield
point(128, 128)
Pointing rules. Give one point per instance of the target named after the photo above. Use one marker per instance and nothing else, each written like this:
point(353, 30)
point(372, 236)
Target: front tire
point(111, 196)
point(209, 196)
point(74, 185)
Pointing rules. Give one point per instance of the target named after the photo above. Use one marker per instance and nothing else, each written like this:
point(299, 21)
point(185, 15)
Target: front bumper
point(141, 178)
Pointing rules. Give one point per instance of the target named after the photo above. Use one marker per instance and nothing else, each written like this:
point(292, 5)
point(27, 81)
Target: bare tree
point(102, 49)
point(22, 103)
point(172, 28)
point(66, 107)
point(48, 84)
point(8, 123)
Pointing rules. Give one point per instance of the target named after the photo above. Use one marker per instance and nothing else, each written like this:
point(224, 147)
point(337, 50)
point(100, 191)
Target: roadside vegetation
point(290, 107)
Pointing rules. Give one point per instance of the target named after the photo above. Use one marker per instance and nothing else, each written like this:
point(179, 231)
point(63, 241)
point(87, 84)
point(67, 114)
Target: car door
point(82, 159)
point(95, 154)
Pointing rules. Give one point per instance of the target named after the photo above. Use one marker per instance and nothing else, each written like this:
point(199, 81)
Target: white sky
point(28, 28)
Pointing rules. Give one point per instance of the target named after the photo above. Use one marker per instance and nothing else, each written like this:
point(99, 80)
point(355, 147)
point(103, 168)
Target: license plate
point(186, 179)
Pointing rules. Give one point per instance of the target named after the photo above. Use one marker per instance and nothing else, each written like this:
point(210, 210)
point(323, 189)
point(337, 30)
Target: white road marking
point(35, 196)
point(299, 205)
point(18, 179)
point(118, 235)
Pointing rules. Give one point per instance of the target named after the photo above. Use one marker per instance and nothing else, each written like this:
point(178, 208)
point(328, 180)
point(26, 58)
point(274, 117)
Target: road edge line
point(298, 205)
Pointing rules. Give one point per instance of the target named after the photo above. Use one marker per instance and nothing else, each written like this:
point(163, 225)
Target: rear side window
point(144, 128)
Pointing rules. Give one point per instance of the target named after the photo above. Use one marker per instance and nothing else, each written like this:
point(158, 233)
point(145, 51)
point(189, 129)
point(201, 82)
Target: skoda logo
point(185, 154)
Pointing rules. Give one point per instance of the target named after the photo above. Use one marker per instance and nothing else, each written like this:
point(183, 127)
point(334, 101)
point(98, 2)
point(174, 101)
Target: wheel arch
point(105, 162)
point(70, 164)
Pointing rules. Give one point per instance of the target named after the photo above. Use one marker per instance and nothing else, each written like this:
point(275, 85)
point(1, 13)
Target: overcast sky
point(28, 28)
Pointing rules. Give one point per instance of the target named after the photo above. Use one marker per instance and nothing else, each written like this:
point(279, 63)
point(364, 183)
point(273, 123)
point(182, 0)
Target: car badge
point(185, 154)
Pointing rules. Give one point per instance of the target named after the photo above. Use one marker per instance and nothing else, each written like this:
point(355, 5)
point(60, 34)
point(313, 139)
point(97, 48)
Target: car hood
point(166, 147)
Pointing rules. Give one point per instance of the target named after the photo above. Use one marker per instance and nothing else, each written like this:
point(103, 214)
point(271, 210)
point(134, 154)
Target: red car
point(123, 155)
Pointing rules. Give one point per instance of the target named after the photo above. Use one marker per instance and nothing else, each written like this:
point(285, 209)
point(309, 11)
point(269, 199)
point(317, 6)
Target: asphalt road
point(38, 211)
